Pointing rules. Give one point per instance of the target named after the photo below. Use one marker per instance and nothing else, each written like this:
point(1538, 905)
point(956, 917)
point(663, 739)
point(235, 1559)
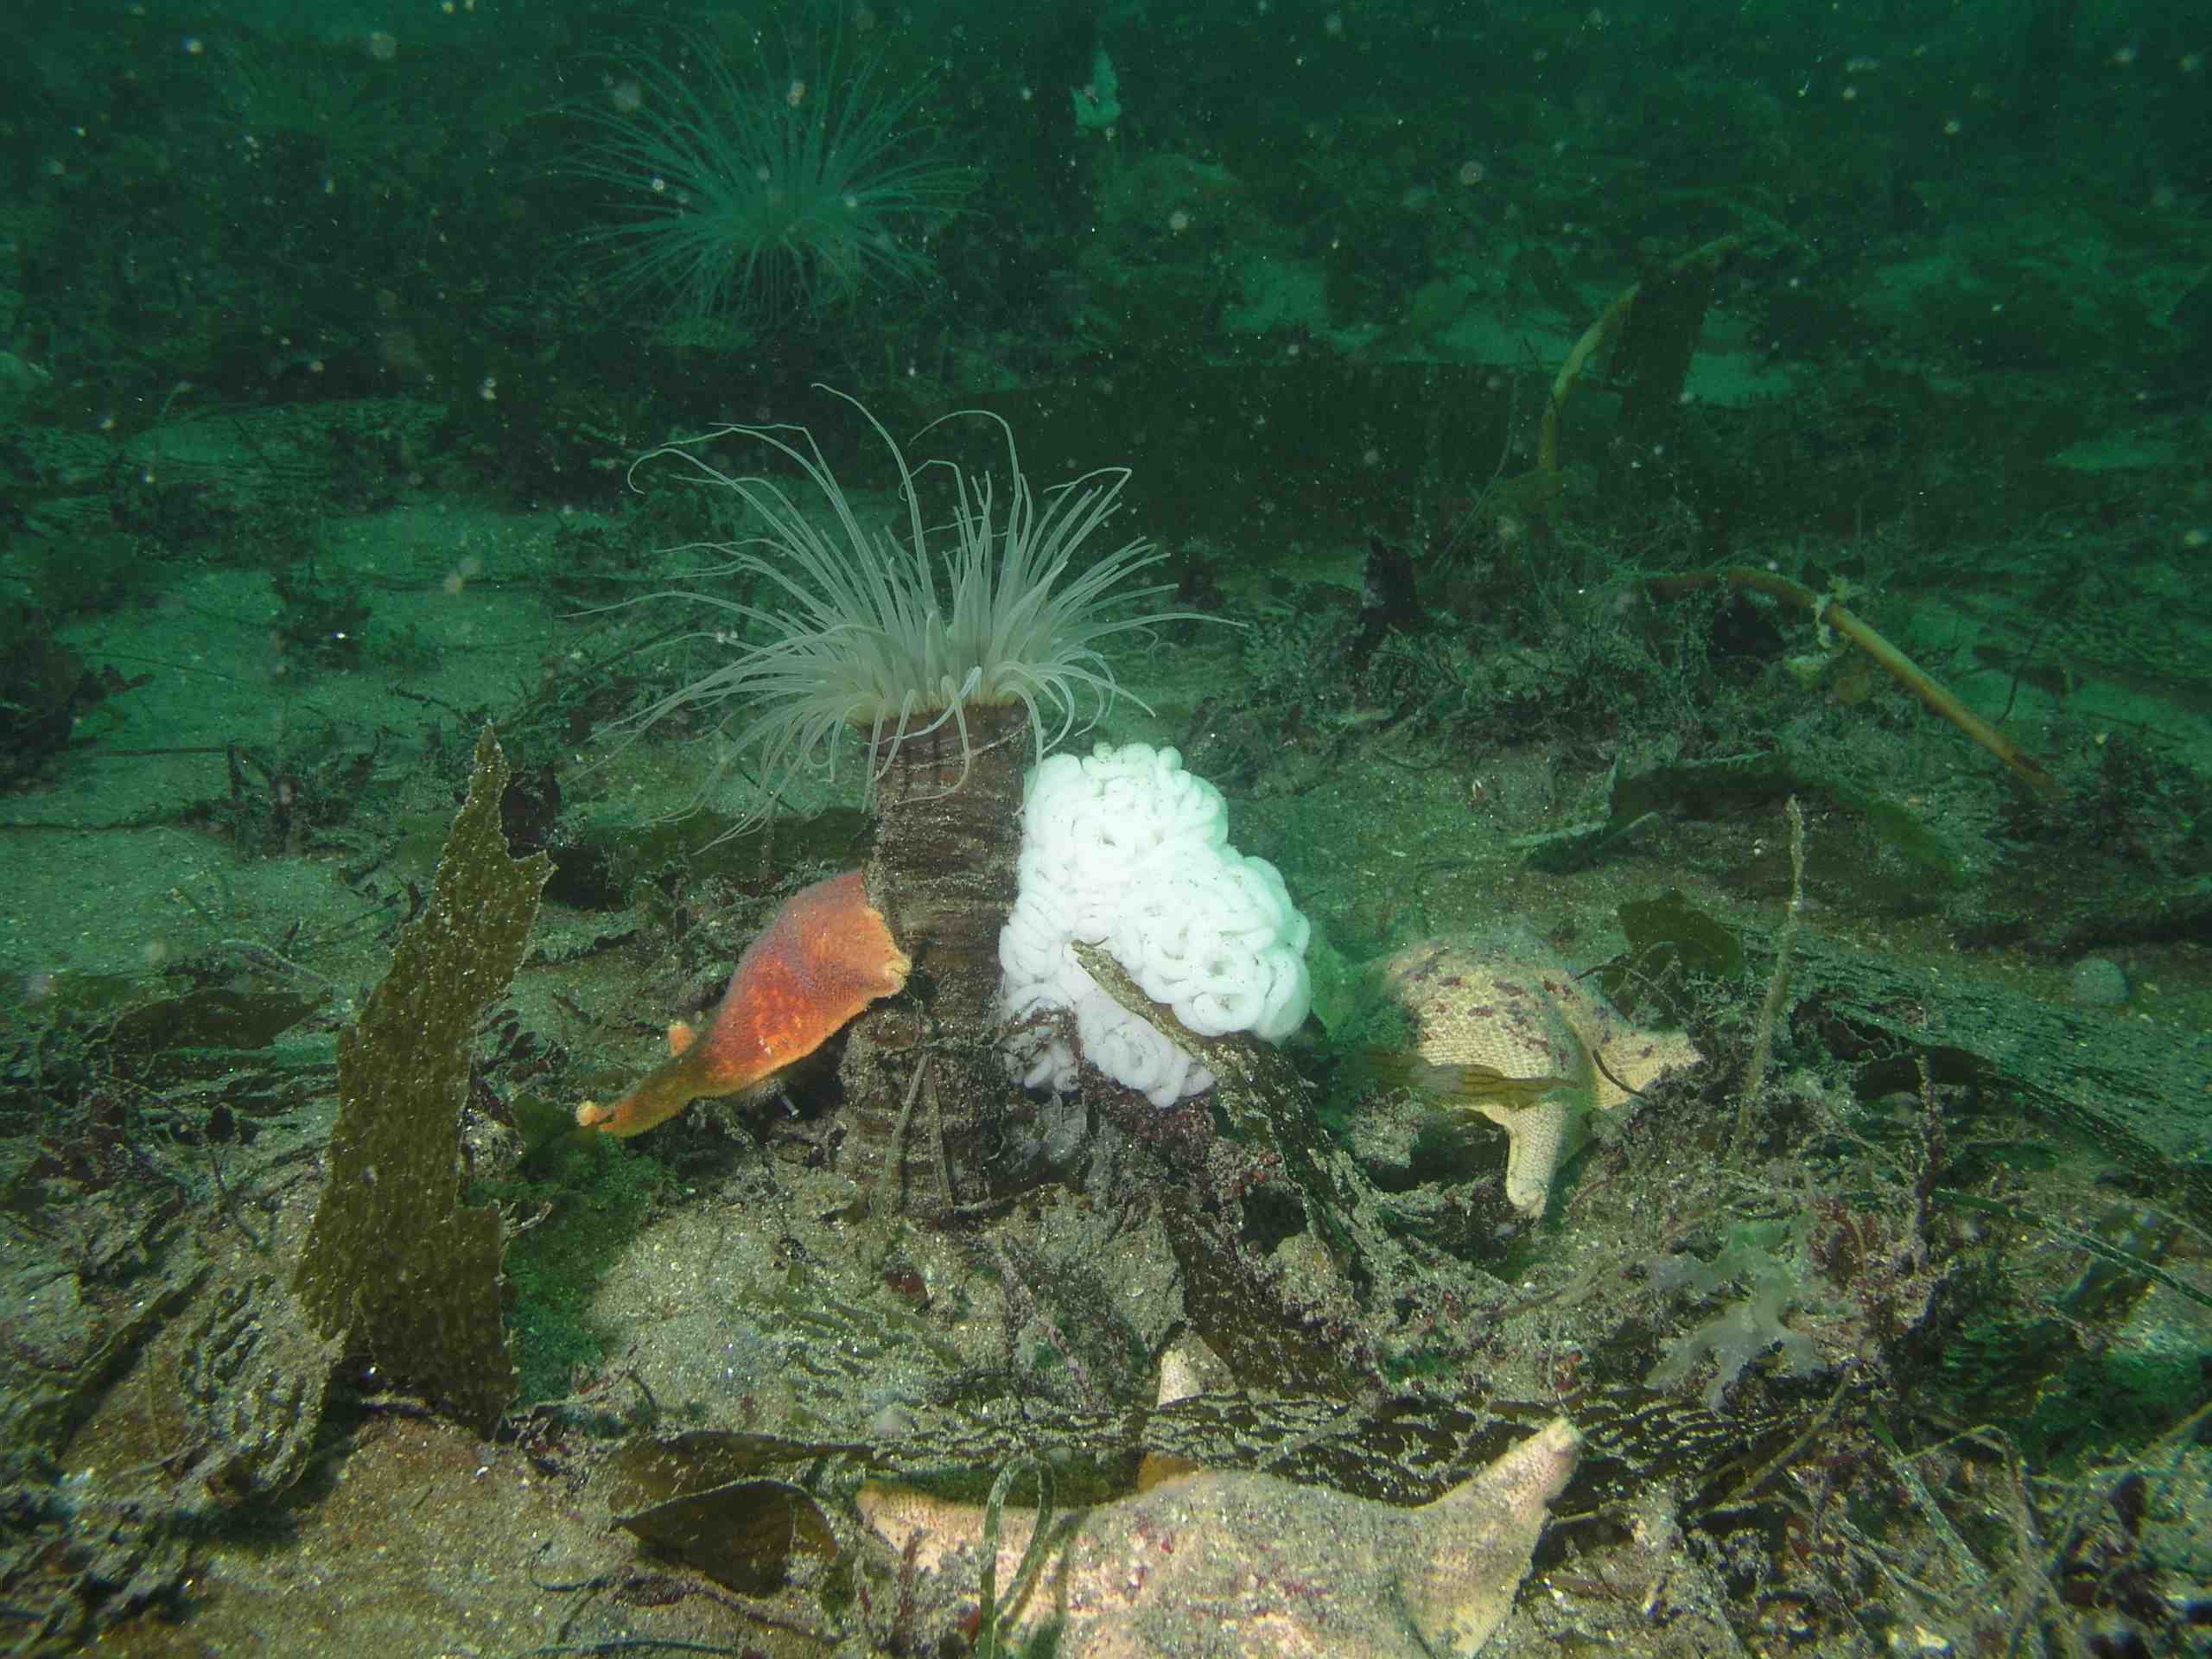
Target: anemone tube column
point(927, 1098)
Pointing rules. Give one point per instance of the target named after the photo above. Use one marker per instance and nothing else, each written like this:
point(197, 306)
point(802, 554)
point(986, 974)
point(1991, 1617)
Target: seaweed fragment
point(393, 1261)
point(251, 1382)
point(750, 1533)
point(1830, 613)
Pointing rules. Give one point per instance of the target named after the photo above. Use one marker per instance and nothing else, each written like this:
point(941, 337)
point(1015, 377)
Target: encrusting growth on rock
point(825, 956)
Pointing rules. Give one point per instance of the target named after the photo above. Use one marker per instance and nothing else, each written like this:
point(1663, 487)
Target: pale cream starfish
point(1489, 1012)
point(1228, 1565)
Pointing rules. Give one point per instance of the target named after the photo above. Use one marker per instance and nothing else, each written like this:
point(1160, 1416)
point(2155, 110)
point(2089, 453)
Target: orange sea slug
point(826, 955)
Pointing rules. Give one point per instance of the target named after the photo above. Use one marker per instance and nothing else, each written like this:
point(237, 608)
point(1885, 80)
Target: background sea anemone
point(773, 197)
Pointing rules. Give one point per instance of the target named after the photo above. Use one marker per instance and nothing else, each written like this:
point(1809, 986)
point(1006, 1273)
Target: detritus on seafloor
point(393, 1261)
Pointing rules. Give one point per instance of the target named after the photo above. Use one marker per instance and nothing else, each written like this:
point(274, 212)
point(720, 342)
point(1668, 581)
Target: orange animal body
point(826, 955)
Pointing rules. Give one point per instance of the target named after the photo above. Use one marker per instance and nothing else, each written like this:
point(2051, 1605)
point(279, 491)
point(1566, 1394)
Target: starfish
point(1224, 1565)
point(825, 956)
point(1505, 1027)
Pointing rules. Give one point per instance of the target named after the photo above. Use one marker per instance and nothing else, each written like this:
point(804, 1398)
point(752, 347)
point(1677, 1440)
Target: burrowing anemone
point(952, 654)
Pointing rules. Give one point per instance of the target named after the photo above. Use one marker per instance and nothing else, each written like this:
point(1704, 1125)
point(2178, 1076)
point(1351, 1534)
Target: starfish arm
point(1475, 1543)
point(1536, 1144)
